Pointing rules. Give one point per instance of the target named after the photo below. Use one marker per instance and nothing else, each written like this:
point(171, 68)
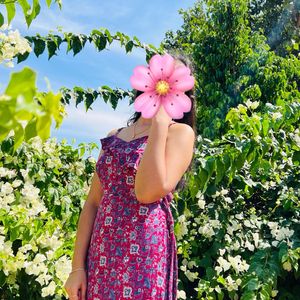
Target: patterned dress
point(132, 252)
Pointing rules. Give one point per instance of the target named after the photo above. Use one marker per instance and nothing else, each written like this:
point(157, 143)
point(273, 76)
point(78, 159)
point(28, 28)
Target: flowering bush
point(238, 221)
point(42, 190)
point(239, 232)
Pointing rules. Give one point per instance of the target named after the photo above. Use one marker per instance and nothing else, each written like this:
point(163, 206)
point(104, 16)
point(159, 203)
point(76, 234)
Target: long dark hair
point(188, 118)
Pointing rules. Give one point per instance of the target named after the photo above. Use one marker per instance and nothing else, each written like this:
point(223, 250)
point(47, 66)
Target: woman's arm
point(166, 157)
point(87, 218)
point(84, 229)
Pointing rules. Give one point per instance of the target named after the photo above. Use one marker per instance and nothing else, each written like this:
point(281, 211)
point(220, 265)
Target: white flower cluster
point(49, 240)
point(11, 44)
point(235, 262)
point(279, 233)
point(50, 146)
point(252, 105)
point(31, 201)
point(63, 267)
point(232, 284)
point(201, 200)
point(207, 230)
point(181, 294)
point(5, 172)
point(189, 274)
point(39, 268)
point(222, 194)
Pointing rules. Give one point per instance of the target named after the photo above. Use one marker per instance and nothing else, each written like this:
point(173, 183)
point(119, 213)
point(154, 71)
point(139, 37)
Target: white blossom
point(11, 44)
point(181, 294)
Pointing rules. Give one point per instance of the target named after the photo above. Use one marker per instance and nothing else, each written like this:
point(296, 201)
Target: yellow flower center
point(162, 87)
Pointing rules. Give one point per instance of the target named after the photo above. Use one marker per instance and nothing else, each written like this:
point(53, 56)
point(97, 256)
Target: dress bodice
point(119, 163)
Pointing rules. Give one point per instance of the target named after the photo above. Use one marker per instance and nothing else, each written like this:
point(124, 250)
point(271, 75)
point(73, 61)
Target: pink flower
point(163, 83)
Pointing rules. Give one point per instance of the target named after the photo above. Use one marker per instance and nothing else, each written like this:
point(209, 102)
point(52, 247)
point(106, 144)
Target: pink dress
point(132, 252)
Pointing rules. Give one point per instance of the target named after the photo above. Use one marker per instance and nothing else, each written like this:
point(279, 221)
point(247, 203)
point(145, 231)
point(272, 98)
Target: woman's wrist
point(160, 122)
point(77, 269)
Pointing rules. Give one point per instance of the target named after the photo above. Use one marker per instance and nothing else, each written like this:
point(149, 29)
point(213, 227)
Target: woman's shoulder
point(181, 128)
point(179, 125)
point(113, 132)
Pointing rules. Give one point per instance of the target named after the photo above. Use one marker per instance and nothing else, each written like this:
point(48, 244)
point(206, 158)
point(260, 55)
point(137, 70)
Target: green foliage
point(101, 38)
point(21, 104)
point(43, 189)
point(279, 21)
point(231, 64)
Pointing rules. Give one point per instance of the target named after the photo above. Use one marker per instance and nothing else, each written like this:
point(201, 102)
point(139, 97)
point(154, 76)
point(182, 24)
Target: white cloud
point(47, 20)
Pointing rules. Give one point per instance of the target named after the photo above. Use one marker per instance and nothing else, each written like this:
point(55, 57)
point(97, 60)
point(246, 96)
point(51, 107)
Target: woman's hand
point(76, 285)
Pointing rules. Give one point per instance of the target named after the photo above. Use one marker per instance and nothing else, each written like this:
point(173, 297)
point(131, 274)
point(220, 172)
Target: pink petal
point(162, 66)
point(144, 71)
point(181, 103)
point(185, 83)
point(179, 73)
point(147, 103)
point(142, 79)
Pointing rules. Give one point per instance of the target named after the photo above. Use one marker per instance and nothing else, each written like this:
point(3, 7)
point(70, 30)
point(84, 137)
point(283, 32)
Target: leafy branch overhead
point(30, 12)
point(89, 96)
point(100, 38)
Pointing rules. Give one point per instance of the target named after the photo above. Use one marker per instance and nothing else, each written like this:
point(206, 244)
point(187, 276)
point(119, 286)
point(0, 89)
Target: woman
point(125, 245)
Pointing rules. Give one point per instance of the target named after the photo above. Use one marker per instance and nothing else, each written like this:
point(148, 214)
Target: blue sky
point(148, 20)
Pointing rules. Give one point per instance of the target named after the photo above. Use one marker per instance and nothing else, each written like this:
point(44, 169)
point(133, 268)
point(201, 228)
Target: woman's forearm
point(152, 168)
point(83, 235)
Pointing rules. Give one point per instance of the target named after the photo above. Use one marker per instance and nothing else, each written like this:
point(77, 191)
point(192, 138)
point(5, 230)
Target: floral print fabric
point(132, 252)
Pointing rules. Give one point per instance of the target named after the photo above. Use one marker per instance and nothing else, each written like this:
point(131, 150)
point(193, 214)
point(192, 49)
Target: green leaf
point(11, 11)
point(14, 233)
point(253, 284)
point(25, 7)
point(89, 100)
point(30, 129)
point(221, 280)
point(296, 46)
point(210, 165)
point(36, 8)
point(220, 170)
point(19, 135)
point(22, 57)
point(106, 87)
point(99, 40)
point(79, 94)
point(43, 126)
point(108, 35)
point(129, 46)
point(76, 44)
point(137, 40)
point(249, 295)
point(48, 2)
point(30, 13)
point(51, 46)
point(22, 83)
point(264, 294)
point(39, 46)
point(1, 19)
